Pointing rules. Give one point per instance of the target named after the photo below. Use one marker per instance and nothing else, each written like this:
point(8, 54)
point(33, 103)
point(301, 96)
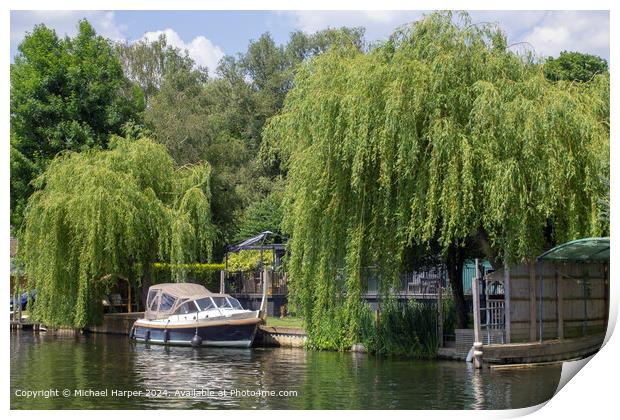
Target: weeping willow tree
point(97, 216)
point(440, 135)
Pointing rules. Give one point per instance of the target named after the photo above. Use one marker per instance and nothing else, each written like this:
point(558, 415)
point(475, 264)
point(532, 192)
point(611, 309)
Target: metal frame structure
point(259, 243)
point(585, 250)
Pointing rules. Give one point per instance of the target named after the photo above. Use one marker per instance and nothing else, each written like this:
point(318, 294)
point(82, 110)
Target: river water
point(112, 372)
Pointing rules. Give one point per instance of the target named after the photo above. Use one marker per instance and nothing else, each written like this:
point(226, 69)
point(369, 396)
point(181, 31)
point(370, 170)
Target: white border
point(594, 391)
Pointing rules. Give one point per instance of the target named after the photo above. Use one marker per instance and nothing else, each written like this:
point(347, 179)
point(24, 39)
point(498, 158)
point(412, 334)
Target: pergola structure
point(264, 241)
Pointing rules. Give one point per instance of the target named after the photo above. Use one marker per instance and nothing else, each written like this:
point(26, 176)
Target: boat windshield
point(235, 303)
point(167, 302)
point(187, 308)
point(205, 304)
point(222, 302)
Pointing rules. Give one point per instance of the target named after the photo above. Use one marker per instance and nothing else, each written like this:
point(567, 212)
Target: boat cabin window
point(187, 308)
point(222, 302)
point(205, 304)
point(154, 303)
point(235, 303)
point(151, 298)
point(167, 302)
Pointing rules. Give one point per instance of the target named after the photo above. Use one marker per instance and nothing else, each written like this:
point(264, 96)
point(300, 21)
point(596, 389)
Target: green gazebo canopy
point(580, 250)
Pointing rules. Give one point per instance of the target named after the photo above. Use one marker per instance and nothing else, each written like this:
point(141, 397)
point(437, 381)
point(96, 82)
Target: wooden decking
point(547, 351)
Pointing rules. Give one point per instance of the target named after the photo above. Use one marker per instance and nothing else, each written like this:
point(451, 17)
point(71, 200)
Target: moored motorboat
point(188, 314)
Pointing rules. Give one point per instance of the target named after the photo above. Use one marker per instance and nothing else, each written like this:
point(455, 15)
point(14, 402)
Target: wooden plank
point(560, 304)
point(532, 301)
point(507, 305)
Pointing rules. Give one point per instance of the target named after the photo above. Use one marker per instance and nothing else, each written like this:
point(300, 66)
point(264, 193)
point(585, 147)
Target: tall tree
point(146, 63)
point(100, 215)
point(221, 119)
point(178, 114)
point(66, 94)
point(440, 134)
point(193, 121)
point(574, 66)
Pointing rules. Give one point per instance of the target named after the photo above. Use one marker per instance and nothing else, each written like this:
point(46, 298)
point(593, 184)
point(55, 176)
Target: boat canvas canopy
point(581, 250)
point(164, 299)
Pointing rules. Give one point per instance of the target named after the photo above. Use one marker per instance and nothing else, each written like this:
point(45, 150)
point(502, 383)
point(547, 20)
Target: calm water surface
point(232, 378)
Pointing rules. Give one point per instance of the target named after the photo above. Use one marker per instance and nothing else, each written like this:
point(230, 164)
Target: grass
point(289, 322)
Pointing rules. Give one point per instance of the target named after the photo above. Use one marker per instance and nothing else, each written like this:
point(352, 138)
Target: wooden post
point(559, 287)
point(222, 281)
point(19, 306)
point(128, 297)
point(605, 276)
point(540, 303)
point(585, 280)
point(266, 280)
point(15, 304)
point(439, 314)
point(532, 301)
point(476, 301)
point(487, 310)
point(507, 301)
point(475, 294)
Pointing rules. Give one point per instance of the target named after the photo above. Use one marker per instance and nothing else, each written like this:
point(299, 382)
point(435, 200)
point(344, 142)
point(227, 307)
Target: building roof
point(263, 240)
point(580, 250)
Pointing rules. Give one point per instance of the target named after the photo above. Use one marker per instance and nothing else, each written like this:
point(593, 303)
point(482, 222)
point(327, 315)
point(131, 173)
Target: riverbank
point(284, 335)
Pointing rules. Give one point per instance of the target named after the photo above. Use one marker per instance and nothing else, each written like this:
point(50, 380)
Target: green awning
point(580, 250)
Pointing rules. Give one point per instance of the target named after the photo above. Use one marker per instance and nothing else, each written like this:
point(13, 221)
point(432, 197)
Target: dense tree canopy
point(66, 94)
point(574, 66)
point(262, 215)
point(147, 63)
point(437, 135)
point(439, 143)
point(220, 119)
point(100, 215)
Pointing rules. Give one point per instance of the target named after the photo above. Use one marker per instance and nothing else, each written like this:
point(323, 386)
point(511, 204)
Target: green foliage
point(265, 214)
point(177, 114)
point(99, 215)
point(66, 94)
point(220, 120)
point(449, 312)
point(147, 63)
point(436, 135)
point(248, 260)
point(196, 267)
point(408, 330)
point(205, 274)
point(574, 67)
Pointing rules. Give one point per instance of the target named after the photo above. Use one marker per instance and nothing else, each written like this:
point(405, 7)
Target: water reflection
point(321, 380)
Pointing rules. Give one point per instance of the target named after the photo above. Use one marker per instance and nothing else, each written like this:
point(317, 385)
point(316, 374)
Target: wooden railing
point(419, 284)
point(250, 282)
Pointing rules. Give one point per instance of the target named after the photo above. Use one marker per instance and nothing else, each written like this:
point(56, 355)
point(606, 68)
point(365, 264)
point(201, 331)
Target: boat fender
point(166, 336)
point(196, 340)
point(132, 333)
point(147, 336)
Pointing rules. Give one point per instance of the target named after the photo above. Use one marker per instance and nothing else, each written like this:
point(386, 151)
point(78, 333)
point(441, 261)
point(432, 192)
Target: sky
point(209, 35)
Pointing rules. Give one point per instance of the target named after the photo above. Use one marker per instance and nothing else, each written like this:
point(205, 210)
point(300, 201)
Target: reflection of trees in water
point(48, 361)
point(323, 380)
point(281, 369)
